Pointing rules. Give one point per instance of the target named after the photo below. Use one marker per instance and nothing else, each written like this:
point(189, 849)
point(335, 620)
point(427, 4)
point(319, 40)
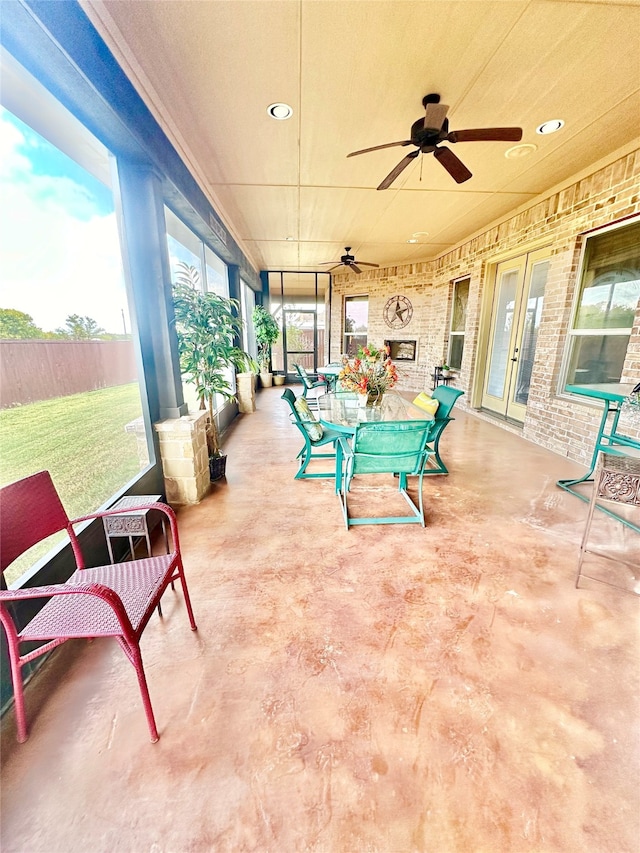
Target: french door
point(515, 321)
point(301, 336)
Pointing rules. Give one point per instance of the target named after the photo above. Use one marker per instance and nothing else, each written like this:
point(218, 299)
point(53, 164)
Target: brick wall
point(607, 195)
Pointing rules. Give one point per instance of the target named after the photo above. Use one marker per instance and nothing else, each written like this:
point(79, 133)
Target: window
point(71, 399)
point(606, 306)
point(248, 303)
point(356, 319)
point(217, 273)
point(186, 247)
point(458, 322)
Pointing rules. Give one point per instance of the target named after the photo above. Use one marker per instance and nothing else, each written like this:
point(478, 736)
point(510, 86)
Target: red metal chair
point(109, 601)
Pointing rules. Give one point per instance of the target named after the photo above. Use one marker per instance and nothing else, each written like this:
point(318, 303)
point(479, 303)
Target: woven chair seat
point(136, 583)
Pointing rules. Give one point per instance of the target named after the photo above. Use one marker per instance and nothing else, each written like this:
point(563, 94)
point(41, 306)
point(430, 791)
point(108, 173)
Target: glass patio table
point(609, 439)
point(342, 411)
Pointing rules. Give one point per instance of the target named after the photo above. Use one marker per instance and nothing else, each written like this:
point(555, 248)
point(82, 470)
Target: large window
point(607, 303)
point(187, 248)
point(356, 320)
point(70, 394)
point(458, 322)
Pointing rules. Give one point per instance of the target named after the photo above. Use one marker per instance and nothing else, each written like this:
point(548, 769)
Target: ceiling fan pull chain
point(421, 170)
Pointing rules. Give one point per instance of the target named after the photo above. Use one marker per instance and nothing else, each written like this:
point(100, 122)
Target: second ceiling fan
point(429, 132)
point(347, 261)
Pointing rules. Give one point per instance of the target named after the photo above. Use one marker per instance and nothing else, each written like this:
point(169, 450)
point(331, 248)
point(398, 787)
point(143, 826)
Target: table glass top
point(614, 391)
point(345, 411)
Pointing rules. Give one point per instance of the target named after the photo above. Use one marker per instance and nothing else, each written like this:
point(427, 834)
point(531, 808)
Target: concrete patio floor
point(388, 689)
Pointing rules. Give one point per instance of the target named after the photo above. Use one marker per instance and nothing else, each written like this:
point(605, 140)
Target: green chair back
point(389, 447)
point(446, 397)
point(306, 454)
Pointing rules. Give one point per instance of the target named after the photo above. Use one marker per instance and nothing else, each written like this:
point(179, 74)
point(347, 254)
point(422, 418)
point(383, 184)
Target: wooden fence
point(40, 370)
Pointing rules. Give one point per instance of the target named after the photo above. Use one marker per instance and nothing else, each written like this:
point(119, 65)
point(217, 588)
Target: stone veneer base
point(185, 459)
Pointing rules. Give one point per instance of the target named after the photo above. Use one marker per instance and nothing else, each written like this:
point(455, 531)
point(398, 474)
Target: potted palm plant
point(207, 326)
point(267, 332)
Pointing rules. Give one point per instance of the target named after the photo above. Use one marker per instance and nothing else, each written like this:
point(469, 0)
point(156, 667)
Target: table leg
point(610, 438)
point(588, 477)
point(339, 457)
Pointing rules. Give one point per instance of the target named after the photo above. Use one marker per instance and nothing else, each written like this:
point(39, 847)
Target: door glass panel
point(500, 349)
point(530, 331)
point(300, 335)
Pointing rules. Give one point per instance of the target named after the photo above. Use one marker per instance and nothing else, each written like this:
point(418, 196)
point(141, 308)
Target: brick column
point(185, 459)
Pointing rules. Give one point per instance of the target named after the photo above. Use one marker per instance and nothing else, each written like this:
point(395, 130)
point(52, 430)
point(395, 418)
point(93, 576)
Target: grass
point(80, 440)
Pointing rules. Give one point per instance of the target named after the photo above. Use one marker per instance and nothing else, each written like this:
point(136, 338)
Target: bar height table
point(612, 395)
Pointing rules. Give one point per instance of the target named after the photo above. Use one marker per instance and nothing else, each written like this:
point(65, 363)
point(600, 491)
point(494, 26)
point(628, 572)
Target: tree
point(18, 326)
point(80, 328)
point(267, 333)
point(207, 326)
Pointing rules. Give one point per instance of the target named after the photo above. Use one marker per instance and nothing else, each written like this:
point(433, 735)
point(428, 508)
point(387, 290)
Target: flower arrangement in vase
point(370, 374)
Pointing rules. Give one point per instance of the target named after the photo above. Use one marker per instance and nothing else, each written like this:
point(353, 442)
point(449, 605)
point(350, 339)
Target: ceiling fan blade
point(354, 267)
point(393, 174)
point(334, 268)
point(486, 134)
point(452, 164)
point(378, 147)
point(434, 117)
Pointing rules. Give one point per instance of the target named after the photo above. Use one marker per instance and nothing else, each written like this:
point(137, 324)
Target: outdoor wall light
point(550, 126)
point(280, 111)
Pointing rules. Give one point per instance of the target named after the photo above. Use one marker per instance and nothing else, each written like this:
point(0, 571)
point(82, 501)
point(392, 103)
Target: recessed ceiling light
point(280, 111)
point(413, 240)
point(520, 151)
point(550, 126)
point(289, 238)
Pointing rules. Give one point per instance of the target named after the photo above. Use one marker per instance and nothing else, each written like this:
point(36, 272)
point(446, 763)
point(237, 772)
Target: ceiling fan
point(427, 133)
point(348, 261)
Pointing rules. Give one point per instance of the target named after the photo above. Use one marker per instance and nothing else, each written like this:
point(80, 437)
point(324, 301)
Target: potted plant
point(267, 332)
point(207, 326)
point(446, 371)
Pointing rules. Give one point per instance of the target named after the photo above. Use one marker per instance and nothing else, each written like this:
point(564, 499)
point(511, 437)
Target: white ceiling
point(355, 72)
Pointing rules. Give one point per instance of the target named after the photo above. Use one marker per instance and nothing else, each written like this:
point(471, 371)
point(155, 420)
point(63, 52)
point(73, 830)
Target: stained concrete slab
point(384, 689)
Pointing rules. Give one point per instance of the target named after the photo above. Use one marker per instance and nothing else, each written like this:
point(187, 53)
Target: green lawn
point(80, 440)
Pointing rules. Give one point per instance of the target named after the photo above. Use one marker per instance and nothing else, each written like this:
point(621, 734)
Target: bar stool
point(616, 480)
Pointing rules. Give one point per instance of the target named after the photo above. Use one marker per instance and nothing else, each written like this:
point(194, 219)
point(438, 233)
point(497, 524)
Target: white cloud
point(53, 263)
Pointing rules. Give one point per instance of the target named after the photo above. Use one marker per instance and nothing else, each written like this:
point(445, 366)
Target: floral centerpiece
point(371, 373)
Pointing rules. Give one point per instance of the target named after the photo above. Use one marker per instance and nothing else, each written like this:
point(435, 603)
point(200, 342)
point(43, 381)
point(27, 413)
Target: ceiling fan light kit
point(428, 134)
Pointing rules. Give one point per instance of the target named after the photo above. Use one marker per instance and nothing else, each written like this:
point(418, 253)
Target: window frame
point(363, 297)
point(456, 333)
point(572, 332)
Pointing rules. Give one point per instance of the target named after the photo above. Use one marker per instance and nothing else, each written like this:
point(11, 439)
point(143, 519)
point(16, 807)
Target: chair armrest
point(96, 589)
point(343, 441)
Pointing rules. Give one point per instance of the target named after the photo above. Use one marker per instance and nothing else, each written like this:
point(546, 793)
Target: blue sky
point(59, 249)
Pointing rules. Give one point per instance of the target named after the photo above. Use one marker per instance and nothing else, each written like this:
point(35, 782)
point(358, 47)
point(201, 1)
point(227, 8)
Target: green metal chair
point(388, 447)
point(314, 434)
point(446, 397)
point(311, 381)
